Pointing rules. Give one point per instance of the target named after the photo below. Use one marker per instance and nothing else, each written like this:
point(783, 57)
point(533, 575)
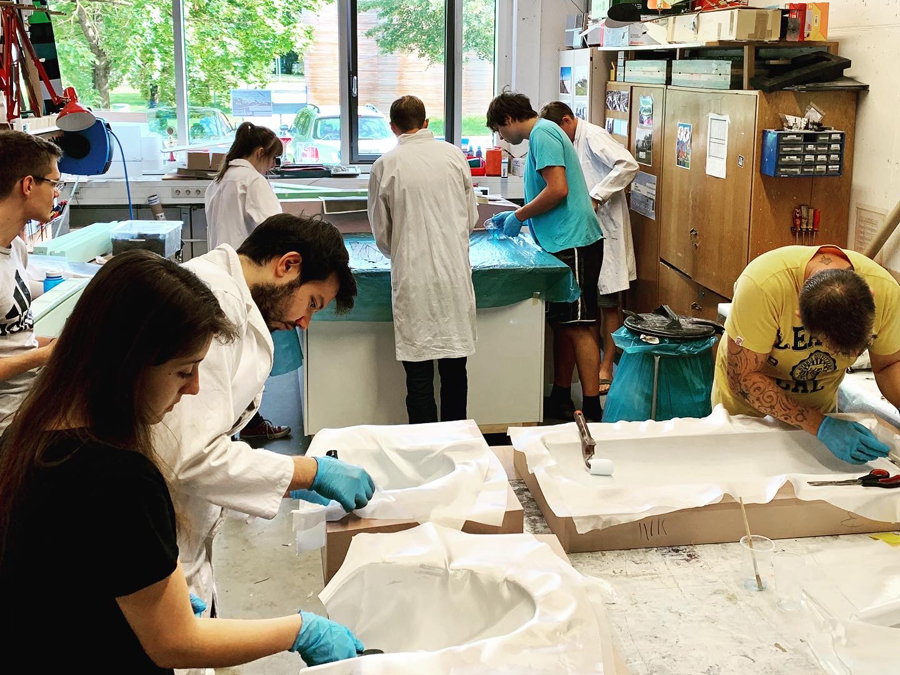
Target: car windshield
point(370, 129)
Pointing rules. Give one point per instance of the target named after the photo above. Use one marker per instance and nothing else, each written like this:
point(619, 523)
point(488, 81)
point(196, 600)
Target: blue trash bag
point(685, 378)
point(288, 353)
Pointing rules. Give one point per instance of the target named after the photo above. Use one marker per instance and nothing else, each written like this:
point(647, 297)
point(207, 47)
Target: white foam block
point(601, 467)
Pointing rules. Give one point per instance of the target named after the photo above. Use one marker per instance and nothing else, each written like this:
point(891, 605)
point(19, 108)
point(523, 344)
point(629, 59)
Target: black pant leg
point(454, 389)
point(420, 405)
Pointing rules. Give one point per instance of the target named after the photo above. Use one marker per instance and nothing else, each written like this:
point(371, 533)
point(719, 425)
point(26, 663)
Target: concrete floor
point(258, 572)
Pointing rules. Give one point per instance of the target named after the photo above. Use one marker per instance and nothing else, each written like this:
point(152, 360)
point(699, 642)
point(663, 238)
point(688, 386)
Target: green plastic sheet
point(504, 271)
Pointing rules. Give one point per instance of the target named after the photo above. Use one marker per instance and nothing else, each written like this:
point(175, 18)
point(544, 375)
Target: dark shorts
point(585, 263)
point(608, 300)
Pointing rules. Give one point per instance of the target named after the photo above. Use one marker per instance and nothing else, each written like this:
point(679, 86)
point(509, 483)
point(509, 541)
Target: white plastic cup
point(790, 571)
point(756, 561)
point(309, 526)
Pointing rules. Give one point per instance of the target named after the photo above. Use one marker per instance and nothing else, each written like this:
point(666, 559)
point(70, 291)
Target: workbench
point(681, 610)
point(350, 373)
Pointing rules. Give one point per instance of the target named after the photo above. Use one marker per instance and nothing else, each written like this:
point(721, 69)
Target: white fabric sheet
point(440, 601)
point(685, 463)
point(852, 608)
point(443, 473)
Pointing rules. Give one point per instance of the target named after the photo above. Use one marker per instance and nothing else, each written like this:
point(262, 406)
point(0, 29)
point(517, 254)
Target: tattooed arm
point(887, 376)
point(760, 391)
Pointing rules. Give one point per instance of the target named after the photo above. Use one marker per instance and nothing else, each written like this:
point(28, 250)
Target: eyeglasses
point(57, 184)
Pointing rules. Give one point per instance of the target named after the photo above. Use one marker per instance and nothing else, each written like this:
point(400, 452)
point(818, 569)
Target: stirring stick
point(750, 544)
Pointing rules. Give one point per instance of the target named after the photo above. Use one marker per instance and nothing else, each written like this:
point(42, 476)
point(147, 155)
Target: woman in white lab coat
point(238, 200)
point(608, 169)
point(240, 197)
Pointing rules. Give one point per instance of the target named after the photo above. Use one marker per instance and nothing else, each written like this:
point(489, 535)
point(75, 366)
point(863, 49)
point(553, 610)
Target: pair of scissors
point(875, 478)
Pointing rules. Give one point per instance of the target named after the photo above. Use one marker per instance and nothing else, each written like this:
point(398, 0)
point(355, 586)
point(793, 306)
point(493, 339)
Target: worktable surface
point(681, 611)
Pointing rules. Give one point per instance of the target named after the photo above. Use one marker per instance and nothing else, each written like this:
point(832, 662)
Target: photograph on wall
point(617, 100)
point(581, 80)
point(581, 109)
point(683, 145)
point(643, 195)
point(610, 124)
point(565, 79)
point(645, 112)
point(643, 145)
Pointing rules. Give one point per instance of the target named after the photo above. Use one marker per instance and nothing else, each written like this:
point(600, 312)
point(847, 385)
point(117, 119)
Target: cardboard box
point(785, 517)
point(739, 25)
point(816, 22)
point(683, 28)
point(216, 159)
point(198, 159)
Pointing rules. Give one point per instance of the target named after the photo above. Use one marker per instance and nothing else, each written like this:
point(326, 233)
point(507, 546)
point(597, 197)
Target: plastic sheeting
point(443, 473)
point(504, 271)
point(440, 601)
point(852, 608)
point(685, 378)
point(859, 393)
point(685, 463)
point(288, 353)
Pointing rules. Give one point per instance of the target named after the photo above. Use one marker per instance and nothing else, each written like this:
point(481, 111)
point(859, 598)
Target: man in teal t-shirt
point(563, 222)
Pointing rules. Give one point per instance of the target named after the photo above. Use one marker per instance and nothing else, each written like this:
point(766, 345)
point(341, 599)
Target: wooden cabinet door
point(643, 296)
point(705, 230)
point(685, 296)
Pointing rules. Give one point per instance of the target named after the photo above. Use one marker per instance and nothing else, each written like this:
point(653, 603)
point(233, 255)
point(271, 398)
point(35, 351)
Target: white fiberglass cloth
point(661, 467)
point(440, 601)
point(852, 608)
point(443, 473)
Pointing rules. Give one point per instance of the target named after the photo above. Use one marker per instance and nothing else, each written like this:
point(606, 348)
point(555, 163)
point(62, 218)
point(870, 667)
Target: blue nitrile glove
point(310, 496)
point(351, 486)
point(321, 640)
point(851, 441)
point(197, 605)
point(511, 225)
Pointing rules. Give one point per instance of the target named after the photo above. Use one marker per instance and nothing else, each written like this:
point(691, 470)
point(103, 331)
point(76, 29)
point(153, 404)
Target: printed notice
point(717, 146)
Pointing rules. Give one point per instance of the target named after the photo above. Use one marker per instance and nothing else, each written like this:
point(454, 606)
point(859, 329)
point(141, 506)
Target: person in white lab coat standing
point(285, 271)
point(422, 208)
point(238, 199)
point(608, 169)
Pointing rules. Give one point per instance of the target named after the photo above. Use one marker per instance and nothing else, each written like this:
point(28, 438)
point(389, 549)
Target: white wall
point(869, 33)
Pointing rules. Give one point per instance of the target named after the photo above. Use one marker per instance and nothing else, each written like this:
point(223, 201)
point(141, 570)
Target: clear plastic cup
point(309, 526)
point(756, 562)
point(790, 572)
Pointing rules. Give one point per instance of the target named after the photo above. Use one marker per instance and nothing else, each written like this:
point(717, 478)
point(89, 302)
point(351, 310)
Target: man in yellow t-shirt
point(801, 316)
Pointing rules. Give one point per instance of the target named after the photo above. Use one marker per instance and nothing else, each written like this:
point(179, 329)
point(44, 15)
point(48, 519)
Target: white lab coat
point(608, 169)
point(422, 208)
point(238, 203)
point(210, 472)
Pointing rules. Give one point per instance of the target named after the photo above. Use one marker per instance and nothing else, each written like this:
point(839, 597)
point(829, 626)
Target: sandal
point(605, 383)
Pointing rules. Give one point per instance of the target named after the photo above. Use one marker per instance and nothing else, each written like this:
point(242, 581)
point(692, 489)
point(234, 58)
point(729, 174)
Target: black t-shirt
point(96, 526)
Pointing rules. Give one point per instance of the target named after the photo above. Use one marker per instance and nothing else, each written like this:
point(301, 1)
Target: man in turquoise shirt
point(563, 222)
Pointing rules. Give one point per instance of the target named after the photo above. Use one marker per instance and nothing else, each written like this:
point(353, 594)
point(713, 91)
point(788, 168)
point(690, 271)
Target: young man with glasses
point(29, 184)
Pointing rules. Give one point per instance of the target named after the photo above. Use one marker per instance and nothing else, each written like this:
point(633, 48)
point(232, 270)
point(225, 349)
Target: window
point(398, 49)
point(479, 21)
point(119, 58)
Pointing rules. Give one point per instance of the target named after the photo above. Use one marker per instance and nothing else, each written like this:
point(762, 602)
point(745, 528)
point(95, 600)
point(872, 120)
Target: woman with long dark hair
point(238, 200)
point(89, 572)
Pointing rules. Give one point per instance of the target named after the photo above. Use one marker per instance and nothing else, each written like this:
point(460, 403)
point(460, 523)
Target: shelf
point(720, 44)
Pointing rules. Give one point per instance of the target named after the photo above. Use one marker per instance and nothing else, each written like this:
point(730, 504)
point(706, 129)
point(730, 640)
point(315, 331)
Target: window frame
point(349, 74)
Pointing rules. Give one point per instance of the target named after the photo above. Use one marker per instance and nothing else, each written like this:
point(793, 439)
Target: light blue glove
point(310, 496)
point(351, 486)
point(507, 222)
point(851, 441)
point(321, 640)
point(197, 605)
